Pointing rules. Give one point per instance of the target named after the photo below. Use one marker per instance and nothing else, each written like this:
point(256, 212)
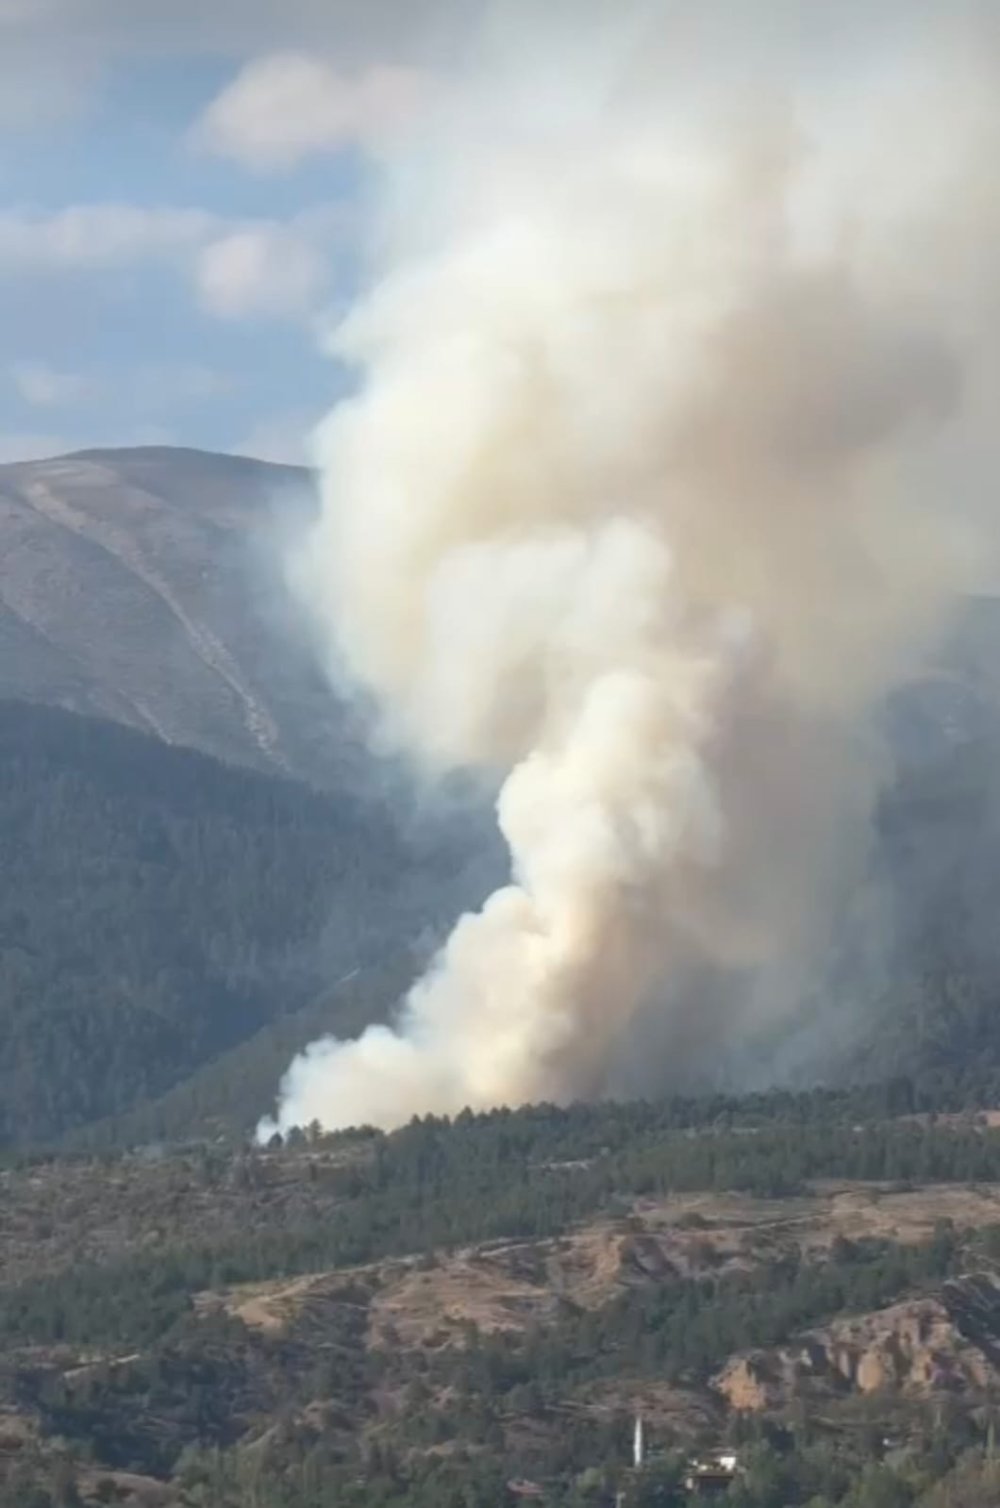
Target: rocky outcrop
point(946, 1342)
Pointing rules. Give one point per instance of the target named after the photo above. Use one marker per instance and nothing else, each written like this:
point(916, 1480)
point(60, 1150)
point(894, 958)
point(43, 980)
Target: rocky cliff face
point(946, 1342)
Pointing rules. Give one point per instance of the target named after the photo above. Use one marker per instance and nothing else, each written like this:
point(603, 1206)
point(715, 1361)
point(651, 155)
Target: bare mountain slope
point(140, 585)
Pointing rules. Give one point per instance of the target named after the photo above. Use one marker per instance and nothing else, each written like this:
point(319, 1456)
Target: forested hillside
point(158, 908)
point(462, 1313)
point(173, 929)
point(457, 1314)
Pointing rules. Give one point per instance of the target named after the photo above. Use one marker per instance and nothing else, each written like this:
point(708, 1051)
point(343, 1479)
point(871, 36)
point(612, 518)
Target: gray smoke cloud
point(671, 451)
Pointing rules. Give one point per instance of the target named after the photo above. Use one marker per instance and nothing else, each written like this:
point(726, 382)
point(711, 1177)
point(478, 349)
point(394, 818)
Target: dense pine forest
point(158, 909)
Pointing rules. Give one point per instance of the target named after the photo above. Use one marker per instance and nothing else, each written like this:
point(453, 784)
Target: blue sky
point(181, 196)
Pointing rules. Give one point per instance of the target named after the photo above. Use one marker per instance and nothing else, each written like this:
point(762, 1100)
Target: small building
point(710, 1476)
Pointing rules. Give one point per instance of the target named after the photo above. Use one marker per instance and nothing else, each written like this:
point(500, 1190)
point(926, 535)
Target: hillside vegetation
point(157, 909)
point(173, 929)
point(429, 1317)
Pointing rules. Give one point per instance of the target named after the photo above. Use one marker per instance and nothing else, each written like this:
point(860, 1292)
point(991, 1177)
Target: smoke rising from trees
point(669, 457)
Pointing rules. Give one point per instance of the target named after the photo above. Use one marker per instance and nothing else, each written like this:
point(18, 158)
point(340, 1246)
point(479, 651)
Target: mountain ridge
point(143, 586)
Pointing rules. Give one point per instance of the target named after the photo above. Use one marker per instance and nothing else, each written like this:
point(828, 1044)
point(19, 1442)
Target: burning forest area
point(499, 732)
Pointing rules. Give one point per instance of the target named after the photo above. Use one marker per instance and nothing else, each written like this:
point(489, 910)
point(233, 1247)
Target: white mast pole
point(638, 1443)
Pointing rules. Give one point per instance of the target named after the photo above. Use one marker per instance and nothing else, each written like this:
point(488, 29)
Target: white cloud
point(55, 55)
point(288, 105)
point(44, 387)
point(266, 271)
point(99, 236)
point(151, 387)
point(239, 269)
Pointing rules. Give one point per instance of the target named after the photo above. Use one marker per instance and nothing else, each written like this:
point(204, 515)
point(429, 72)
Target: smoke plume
point(668, 456)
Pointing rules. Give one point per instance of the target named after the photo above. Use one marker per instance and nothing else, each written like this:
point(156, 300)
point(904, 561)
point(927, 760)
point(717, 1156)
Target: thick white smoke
point(674, 406)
